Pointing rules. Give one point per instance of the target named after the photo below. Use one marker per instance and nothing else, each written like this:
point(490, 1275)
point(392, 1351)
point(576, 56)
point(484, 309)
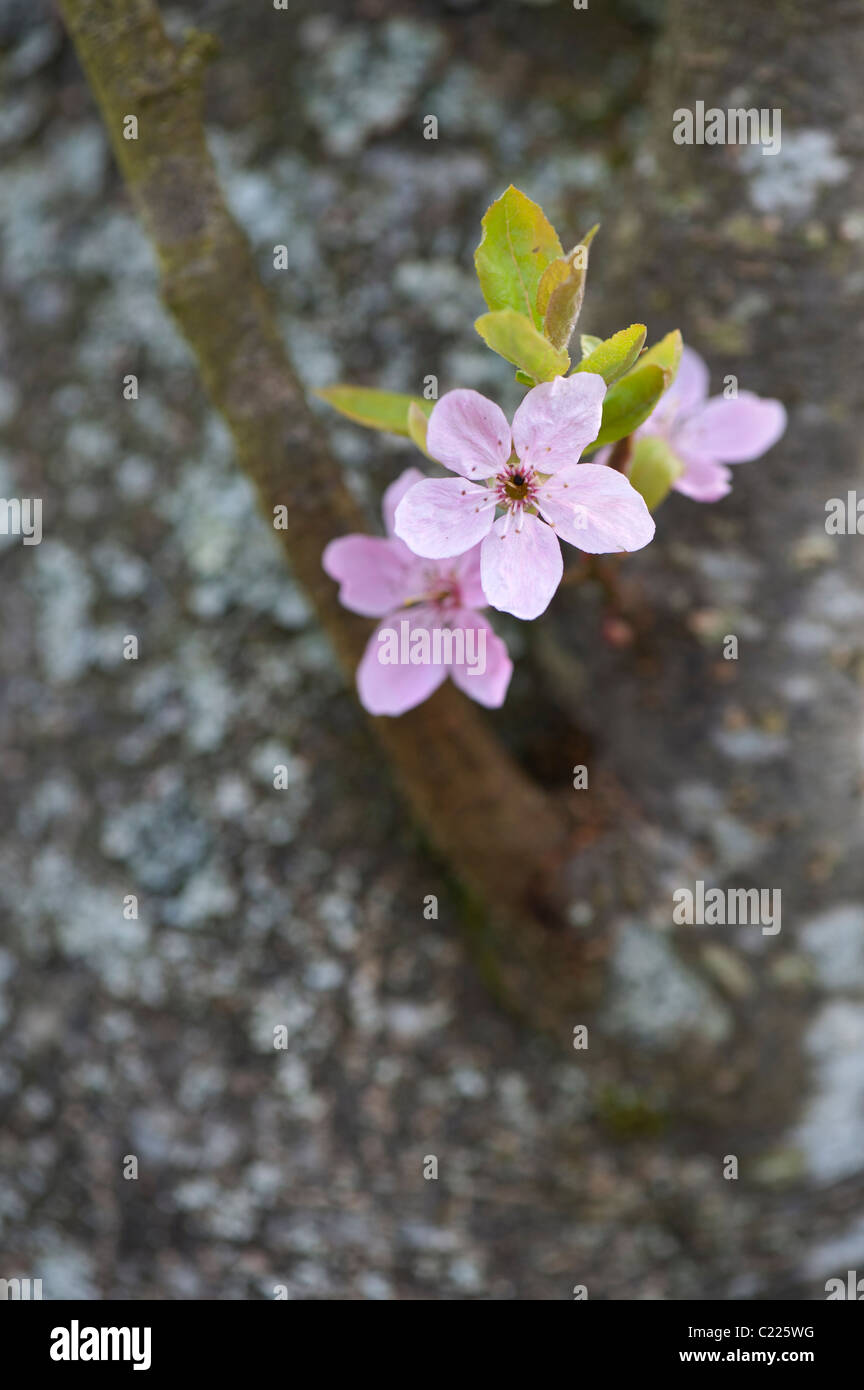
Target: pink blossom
point(707, 435)
point(533, 475)
point(382, 578)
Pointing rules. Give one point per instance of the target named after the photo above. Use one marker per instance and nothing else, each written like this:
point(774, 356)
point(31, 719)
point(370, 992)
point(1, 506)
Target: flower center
point(441, 589)
point(516, 486)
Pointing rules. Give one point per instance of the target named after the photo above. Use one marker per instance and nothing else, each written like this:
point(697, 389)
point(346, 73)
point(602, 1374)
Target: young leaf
point(587, 343)
point(615, 356)
point(418, 422)
point(666, 354)
point(517, 245)
point(633, 397)
point(514, 337)
point(653, 469)
point(556, 274)
point(629, 402)
point(561, 291)
point(377, 410)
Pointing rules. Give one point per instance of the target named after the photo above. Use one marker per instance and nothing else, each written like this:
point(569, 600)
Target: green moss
point(629, 1114)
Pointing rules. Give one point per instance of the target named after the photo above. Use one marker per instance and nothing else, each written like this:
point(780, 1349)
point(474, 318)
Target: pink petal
point(393, 689)
point(375, 576)
point(703, 480)
point(394, 494)
point(486, 681)
point(690, 386)
point(686, 394)
point(732, 431)
point(469, 434)
point(444, 516)
point(521, 570)
point(468, 579)
point(557, 420)
point(596, 508)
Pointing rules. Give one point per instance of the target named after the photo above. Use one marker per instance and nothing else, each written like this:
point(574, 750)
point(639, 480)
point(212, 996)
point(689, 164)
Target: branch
point(498, 831)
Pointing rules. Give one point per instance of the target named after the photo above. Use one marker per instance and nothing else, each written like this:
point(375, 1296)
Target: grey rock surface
point(279, 1039)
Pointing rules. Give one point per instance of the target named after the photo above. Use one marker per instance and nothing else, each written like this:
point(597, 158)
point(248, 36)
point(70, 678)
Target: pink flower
point(429, 618)
point(706, 435)
point(534, 476)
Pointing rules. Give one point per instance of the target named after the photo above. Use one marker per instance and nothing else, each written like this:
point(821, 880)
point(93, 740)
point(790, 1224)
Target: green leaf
point(629, 402)
point(517, 245)
point(377, 410)
point(616, 355)
point(653, 469)
point(561, 291)
point(587, 343)
point(514, 337)
point(666, 354)
point(524, 379)
point(418, 421)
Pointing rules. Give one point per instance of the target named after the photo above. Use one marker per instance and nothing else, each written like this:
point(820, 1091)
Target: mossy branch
point(498, 831)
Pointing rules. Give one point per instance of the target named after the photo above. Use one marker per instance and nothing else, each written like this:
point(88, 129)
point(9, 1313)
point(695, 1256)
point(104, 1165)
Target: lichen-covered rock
point(216, 961)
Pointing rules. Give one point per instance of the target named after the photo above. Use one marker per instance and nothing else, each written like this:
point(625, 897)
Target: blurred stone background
point(303, 908)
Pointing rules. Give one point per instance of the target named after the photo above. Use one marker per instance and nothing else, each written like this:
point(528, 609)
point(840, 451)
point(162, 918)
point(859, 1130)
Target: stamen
point(517, 484)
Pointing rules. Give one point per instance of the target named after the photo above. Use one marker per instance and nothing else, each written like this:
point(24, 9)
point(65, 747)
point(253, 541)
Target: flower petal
point(394, 494)
point(557, 420)
point(444, 516)
point(734, 430)
point(686, 394)
point(393, 688)
point(469, 434)
point(596, 508)
point(468, 579)
point(522, 569)
point(375, 575)
point(487, 679)
point(690, 387)
point(703, 480)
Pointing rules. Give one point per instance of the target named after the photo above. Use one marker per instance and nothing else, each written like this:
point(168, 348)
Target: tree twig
point(499, 832)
